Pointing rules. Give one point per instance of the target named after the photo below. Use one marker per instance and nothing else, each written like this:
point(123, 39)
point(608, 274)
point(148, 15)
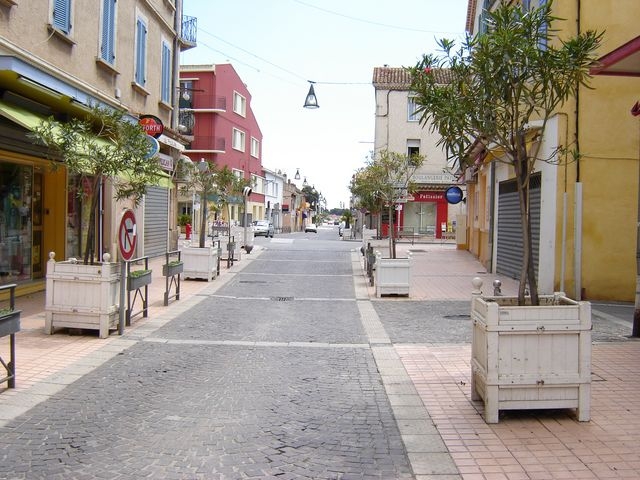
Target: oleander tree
point(103, 145)
point(500, 82)
point(384, 182)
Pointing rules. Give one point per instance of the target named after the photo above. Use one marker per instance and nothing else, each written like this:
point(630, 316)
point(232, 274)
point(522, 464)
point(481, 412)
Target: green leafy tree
point(384, 181)
point(499, 83)
point(102, 145)
point(209, 180)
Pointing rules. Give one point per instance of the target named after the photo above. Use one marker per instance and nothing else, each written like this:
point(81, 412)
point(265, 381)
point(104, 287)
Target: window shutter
point(107, 50)
point(141, 51)
point(166, 73)
point(62, 15)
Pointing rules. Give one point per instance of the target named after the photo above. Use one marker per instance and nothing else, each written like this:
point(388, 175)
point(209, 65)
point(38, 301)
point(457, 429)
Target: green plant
point(383, 182)
point(174, 263)
point(138, 273)
point(499, 83)
point(184, 219)
point(104, 144)
point(5, 311)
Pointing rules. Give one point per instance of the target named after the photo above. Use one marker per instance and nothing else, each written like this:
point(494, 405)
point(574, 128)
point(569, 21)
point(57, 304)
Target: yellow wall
point(609, 142)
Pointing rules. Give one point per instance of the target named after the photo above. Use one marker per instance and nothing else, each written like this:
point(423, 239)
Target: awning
point(22, 117)
point(623, 61)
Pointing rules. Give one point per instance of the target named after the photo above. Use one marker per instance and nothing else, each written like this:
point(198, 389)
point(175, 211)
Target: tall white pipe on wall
point(563, 251)
point(578, 242)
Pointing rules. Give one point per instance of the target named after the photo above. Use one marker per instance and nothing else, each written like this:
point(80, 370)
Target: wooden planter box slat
point(82, 296)
point(531, 357)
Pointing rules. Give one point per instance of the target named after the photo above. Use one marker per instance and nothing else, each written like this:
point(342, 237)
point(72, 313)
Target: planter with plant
point(9, 325)
point(221, 184)
point(174, 267)
point(383, 183)
point(103, 147)
point(503, 87)
point(138, 279)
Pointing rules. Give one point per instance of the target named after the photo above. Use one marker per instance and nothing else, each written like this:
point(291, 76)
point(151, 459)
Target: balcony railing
point(189, 34)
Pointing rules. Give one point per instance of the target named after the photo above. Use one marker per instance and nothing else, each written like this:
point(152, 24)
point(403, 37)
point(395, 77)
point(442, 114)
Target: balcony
point(189, 32)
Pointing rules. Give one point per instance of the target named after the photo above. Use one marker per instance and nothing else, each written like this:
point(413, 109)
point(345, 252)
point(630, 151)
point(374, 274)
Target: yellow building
point(585, 210)
point(58, 58)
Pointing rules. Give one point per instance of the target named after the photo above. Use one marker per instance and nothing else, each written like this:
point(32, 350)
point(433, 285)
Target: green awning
point(22, 117)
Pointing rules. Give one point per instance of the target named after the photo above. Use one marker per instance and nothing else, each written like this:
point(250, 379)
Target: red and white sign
point(151, 125)
point(127, 237)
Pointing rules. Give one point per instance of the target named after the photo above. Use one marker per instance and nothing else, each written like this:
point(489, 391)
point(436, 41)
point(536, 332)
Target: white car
point(263, 227)
point(311, 227)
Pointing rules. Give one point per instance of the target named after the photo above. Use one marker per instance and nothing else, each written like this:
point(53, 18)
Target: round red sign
point(152, 125)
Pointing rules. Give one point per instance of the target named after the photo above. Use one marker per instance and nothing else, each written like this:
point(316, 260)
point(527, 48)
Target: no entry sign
point(127, 235)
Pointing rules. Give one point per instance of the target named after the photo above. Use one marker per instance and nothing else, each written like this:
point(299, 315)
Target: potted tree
point(102, 147)
point(216, 183)
point(387, 179)
point(504, 86)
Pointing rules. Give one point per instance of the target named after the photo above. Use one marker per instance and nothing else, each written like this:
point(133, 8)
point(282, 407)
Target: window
point(238, 140)
point(108, 34)
point(141, 52)
point(255, 147)
point(411, 110)
point(61, 15)
point(413, 147)
point(165, 93)
point(239, 104)
point(238, 173)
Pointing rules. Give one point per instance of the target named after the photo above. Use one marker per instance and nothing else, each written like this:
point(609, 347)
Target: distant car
point(311, 227)
point(263, 227)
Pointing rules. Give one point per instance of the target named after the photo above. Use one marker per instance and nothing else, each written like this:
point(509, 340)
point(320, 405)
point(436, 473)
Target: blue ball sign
point(453, 194)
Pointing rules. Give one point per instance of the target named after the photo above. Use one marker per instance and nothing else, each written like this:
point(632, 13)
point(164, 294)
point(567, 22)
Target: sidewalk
point(531, 445)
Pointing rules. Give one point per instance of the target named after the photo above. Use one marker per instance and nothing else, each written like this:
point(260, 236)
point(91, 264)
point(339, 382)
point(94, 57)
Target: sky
point(277, 46)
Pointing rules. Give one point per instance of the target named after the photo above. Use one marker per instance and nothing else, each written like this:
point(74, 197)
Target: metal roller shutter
point(156, 221)
point(509, 250)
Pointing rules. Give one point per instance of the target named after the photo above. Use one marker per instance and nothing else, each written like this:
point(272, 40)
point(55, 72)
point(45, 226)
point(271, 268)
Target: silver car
point(263, 227)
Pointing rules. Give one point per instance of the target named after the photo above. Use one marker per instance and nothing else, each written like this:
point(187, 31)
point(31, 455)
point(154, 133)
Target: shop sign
point(453, 194)
point(151, 125)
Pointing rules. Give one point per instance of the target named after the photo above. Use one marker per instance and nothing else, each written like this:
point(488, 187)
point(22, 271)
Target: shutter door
point(156, 221)
point(510, 251)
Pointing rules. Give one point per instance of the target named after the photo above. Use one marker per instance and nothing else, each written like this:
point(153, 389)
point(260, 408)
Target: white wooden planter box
point(199, 262)
point(531, 357)
point(82, 296)
point(393, 275)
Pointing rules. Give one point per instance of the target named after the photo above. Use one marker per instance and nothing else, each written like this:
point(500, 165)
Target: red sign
point(151, 125)
point(127, 236)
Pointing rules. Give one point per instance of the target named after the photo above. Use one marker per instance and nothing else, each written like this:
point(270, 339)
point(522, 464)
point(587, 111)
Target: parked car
point(263, 227)
point(311, 227)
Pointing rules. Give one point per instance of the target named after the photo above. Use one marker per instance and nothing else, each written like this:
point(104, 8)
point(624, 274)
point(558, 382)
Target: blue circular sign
point(154, 147)
point(453, 194)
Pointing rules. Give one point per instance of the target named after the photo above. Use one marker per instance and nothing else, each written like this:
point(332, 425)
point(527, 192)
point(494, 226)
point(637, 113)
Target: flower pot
point(531, 357)
point(135, 282)
point(82, 296)
point(171, 269)
point(392, 275)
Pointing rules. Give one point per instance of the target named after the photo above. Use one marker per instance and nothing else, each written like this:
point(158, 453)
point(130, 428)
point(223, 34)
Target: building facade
point(584, 211)
point(120, 54)
point(398, 129)
point(216, 117)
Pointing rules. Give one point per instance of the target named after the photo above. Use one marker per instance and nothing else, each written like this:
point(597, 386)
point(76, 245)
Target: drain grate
point(281, 299)
point(252, 281)
point(459, 316)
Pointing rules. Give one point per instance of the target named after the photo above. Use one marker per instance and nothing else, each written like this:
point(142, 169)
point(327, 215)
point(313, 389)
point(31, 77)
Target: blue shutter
point(166, 73)
point(141, 52)
point(107, 50)
point(62, 15)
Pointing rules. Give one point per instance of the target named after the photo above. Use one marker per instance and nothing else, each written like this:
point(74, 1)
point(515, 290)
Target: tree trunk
point(392, 236)
point(203, 223)
point(90, 247)
point(527, 272)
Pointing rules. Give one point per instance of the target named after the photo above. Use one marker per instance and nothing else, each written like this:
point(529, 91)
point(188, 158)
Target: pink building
point(216, 114)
